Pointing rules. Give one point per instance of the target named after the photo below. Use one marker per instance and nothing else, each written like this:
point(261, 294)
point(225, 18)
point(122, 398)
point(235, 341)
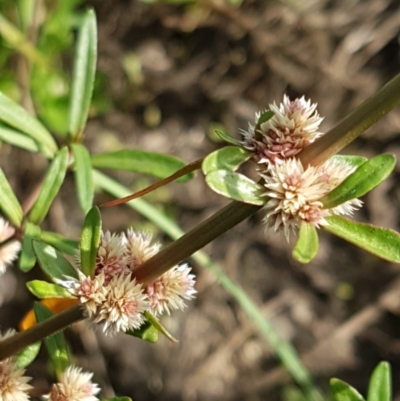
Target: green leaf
point(28, 259)
point(227, 138)
point(51, 185)
point(380, 384)
point(228, 158)
point(83, 75)
point(354, 161)
point(159, 327)
point(62, 244)
point(146, 332)
point(9, 204)
point(90, 240)
point(18, 118)
point(381, 242)
point(83, 176)
point(55, 344)
point(307, 245)
point(18, 139)
point(236, 186)
point(52, 262)
point(43, 289)
point(117, 399)
point(27, 355)
point(264, 117)
point(344, 392)
point(364, 179)
point(139, 161)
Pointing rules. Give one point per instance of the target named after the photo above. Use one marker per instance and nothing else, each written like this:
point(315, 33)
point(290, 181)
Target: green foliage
point(28, 259)
point(83, 176)
point(146, 332)
point(52, 262)
point(25, 357)
point(343, 392)
point(90, 240)
point(139, 161)
point(55, 344)
point(43, 289)
point(307, 244)
point(51, 185)
point(381, 242)
point(83, 76)
point(228, 158)
point(367, 176)
point(9, 204)
point(236, 186)
point(225, 137)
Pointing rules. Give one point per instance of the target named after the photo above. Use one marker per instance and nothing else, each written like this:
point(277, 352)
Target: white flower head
point(123, 307)
point(13, 384)
point(111, 258)
point(74, 385)
point(169, 291)
point(9, 250)
point(294, 193)
point(90, 291)
point(139, 248)
point(293, 127)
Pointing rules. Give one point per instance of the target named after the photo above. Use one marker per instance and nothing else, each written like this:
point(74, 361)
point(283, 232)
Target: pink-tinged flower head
point(111, 258)
point(91, 292)
point(169, 291)
point(139, 248)
point(74, 385)
point(13, 384)
point(294, 193)
point(293, 127)
point(124, 305)
point(9, 250)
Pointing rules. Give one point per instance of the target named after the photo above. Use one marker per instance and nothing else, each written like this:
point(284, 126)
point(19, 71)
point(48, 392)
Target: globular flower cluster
point(8, 248)
point(13, 384)
point(74, 385)
point(114, 298)
point(293, 190)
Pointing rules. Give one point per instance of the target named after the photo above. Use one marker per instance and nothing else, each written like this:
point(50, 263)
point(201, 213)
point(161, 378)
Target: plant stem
point(193, 240)
point(19, 341)
point(374, 108)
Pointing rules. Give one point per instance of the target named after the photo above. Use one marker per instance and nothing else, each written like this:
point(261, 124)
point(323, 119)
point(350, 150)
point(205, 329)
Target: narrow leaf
point(55, 344)
point(51, 185)
point(27, 355)
point(18, 118)
point(16, 138)
point(381, 242)
point(364, 179)
point(117, 399)
point(380, 384)
point(9, 204)
point(90, 240)
point(307, 244)
point(52, 262)
point(28, 259)
point(344, 392)
point(139, 161)
point(159, 327)
point(83, 75)
point(228, 158)
point(227, 138)
point(62, 244)
point(235, 186)
point(354, 161)
point(146, 332)
point(43, 289)
point(83, 176)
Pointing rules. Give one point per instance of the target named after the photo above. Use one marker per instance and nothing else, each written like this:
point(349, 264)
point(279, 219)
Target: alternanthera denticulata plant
point(124, 282)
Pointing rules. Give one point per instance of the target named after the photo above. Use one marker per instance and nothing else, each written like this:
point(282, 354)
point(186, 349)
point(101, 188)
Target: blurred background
point(169, 73)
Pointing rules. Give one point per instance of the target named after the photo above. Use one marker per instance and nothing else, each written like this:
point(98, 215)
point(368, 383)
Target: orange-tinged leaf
point(56, 305)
